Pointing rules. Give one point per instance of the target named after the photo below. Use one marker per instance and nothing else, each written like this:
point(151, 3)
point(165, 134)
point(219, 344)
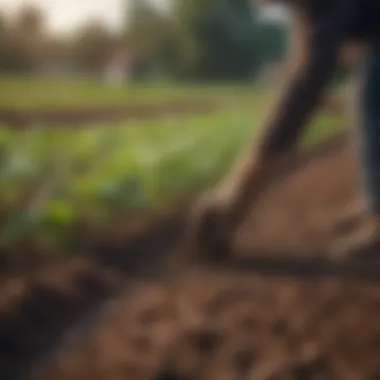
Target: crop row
point(52, 179)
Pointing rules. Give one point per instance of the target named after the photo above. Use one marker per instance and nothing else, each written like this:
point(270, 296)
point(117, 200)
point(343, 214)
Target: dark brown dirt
point(218, 326)
point(111, 318)
point(71, 117)
point(295, 214)
point(38, 305)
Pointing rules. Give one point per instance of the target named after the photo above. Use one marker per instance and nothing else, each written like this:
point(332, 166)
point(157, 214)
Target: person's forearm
point(289, 118)
point(295, 107)
point(292, 112)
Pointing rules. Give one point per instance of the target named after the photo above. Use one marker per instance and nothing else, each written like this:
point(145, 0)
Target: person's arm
point(297, 44)
point(301, 96)
point(291, 113)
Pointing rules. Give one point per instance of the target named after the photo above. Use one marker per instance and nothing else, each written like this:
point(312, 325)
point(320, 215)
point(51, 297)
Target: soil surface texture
point(284, 310)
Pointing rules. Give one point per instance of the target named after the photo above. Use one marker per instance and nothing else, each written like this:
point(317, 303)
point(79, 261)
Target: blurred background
point(141, 39)
point(121, 109)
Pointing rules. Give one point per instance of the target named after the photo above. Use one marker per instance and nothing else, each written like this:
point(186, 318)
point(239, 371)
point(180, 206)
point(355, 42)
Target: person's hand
point(210, 232)
point(217, 215)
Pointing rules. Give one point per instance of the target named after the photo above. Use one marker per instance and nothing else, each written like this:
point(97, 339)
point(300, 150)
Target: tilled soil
point(74, 117)
point(294, 216)
point(71, 117)
point(106, 319)
point(219, 326)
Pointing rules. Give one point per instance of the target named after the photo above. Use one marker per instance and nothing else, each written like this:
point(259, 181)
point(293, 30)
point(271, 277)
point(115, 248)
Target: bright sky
point(64, 15)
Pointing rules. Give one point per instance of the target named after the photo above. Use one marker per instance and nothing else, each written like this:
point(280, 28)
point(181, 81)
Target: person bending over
point(321, 29)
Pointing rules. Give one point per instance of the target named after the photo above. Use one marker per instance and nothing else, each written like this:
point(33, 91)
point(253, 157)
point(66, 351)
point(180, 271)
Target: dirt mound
point(215, 326)
point(37, 308)
point(205, 324)
point(39, 305)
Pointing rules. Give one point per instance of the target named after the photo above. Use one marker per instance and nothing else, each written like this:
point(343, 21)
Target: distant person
point(115, 71)
point(321, 28)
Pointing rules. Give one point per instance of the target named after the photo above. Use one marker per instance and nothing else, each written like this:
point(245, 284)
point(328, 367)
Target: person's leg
point(370, 120)
point(367, 234)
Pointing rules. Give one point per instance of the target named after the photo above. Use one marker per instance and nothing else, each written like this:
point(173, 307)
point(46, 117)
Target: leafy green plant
point(53, 179)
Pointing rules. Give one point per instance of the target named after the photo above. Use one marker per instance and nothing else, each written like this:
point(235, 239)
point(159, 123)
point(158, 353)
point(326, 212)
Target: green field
point(36, 92)
point(52, 178)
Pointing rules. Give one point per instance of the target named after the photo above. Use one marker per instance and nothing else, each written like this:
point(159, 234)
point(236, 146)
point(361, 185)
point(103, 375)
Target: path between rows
point(79, 116)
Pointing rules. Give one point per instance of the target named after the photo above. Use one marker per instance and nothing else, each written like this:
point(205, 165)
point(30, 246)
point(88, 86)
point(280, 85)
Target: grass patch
point(36, 92)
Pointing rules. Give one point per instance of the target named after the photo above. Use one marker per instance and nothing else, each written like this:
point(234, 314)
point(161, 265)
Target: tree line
point(212, 39)
point(27, 46)
point(202, 39)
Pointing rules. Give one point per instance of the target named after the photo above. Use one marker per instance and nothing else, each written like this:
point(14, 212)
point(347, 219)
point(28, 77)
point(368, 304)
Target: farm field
point(104, 209)
point(36, 92)
point(55, 179)
point(25, 102)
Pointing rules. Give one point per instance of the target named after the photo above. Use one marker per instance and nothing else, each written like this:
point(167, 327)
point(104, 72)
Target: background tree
point(150, 34)
point(4, 43)
point(271, 41)
point(216, 38)
point(91, 47)
point(23, 40)
point(225, 39)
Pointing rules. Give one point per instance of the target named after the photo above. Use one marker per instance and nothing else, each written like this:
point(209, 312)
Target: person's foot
point(362, 243)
